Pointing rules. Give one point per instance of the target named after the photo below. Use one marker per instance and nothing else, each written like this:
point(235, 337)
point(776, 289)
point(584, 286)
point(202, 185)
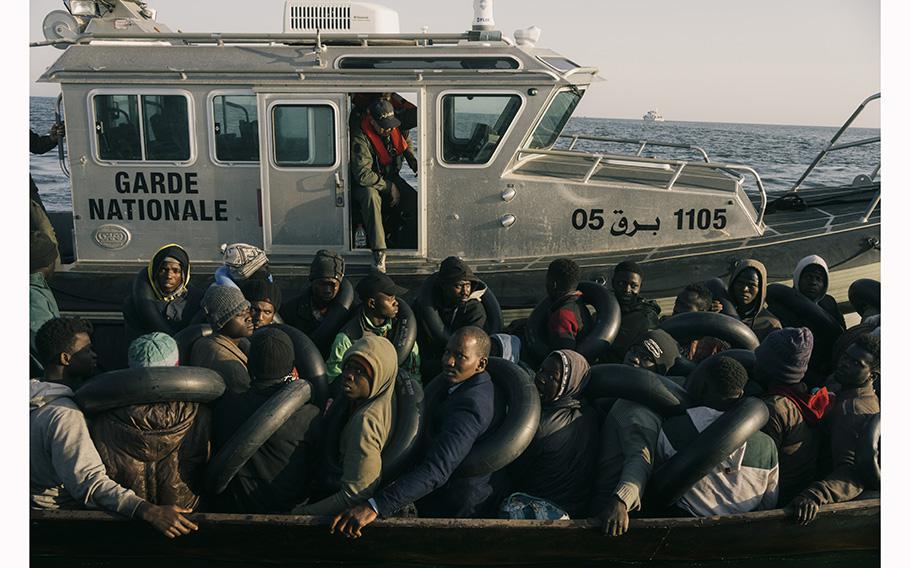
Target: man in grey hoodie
point(65, 470)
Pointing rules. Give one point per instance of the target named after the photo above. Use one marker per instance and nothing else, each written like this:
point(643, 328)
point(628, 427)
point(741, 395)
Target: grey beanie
point(221, 303)
point(154, 349)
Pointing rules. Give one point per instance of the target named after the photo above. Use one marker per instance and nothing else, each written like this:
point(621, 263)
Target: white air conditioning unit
point(339, 17)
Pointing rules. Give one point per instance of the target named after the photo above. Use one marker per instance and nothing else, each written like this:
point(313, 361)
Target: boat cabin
point(204, 139)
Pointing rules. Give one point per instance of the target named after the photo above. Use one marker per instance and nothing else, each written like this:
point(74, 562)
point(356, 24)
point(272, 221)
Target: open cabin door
point(304, 167)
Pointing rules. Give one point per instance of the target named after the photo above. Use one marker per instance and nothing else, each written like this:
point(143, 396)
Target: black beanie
point(271, 354)
point(262, 291)
point(453, 269)
point(41, 251)
point(327, 264)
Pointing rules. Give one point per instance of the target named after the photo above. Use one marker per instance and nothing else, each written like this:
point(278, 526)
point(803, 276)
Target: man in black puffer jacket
point(638, 314)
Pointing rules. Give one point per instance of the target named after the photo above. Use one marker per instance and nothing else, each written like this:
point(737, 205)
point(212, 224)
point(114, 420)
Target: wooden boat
point(294, 539)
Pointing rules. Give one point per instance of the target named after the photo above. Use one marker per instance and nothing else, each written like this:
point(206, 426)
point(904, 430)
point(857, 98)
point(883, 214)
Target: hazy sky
point(765, 61)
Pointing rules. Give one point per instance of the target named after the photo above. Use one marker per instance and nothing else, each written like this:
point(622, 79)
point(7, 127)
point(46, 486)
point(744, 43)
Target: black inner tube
point(404, 334)
point(146, 385)
point(688, 326)
point(795, 310)
point(502, 443)
point(865, 293)
point(660, 394)
point(592, 342)
point(309, 363)
point(145, 305)
point(432, 324)
point(254, 432)
point(716, 442)
point(187, 337)
point(336, 314)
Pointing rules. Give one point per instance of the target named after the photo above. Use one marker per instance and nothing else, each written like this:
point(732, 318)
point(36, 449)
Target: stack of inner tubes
point(147, 385)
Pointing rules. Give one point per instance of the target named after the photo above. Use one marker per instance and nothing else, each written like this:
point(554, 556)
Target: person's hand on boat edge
point(167, 519)
point(804, 509)
point(351, 521)
point(615, 517)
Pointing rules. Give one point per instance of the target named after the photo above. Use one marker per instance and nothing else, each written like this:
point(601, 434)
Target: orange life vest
point(398, 141)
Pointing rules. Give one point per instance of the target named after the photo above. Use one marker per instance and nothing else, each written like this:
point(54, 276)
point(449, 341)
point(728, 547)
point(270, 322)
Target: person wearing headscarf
point(811, 279)
point(159, 450)
point(748, 289)
point(228, 313)
point(264, 298)
point(274, 479)
point(174, 302)
point(367, 379)
point(559, 463)
point(781, 362)
point(42, 305)
point(241, 262)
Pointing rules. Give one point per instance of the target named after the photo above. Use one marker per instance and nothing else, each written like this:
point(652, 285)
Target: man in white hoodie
point(65, 470)
point(811, 279)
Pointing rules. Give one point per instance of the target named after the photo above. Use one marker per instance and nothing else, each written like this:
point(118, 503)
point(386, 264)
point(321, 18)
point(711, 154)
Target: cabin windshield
point(555, 119)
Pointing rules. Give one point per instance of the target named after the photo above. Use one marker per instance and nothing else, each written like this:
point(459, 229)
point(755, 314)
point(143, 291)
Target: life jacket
point(398, 142)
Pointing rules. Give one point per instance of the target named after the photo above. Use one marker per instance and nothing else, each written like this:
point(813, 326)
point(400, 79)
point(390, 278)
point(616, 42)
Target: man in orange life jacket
point(377, 151)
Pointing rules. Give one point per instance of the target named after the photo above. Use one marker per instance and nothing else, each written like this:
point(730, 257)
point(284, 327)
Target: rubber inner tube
point(694, 325)
point(672, 479)
point(719, 290)
point(404, 436)
point(187, 337)
point(146, 385)
point(254, 432)
point(517, 401)
point(309, 363)
point(145, 305)
point(865, 293)
point(868, 453)
point(795, 310)
point(405, 333)
point(432, 324)
point(593, 342)
point(335, 317)
point(660, 394)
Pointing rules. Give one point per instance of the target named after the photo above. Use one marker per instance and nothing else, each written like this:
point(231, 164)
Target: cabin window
point(451, 63)
point(555, 119)
point(236, 128)
point(473, 126)
point(164, 134)
point(304, 135)
point(561, 64)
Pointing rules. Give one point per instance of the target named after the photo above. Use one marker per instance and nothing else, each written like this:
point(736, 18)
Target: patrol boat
point(207, 138)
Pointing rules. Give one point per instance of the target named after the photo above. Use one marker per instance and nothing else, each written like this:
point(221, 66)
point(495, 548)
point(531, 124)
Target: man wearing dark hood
point(368, 383)
point(638, 314)
point(228, 313)
point(811, 279)
point(748, 290)
point(559, 464)
point(168, 277)
point(781, 362)
point(274, 478)
point(456, 297)
point(307, 311)
point(461, 418)
point(854, 406)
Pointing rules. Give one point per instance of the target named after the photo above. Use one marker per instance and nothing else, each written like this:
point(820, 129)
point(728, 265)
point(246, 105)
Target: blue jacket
point(459, 420)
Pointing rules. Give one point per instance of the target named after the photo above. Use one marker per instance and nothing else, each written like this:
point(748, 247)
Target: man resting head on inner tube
point(367, 378)
point(460, 419)
point(65, 470)
point(326, 274)
point(854, 407)
point(638, 314)
point(748, 290)
point(274, 479)
point(158, 450)
point(568, 314)
point(697, 297)
point(377, 315)
point(629, 438)
point(559, 464)
point(747, 479)
point(228, 313)
point(264, 298)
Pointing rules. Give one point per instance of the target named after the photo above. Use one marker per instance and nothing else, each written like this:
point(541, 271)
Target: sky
point(805, 62)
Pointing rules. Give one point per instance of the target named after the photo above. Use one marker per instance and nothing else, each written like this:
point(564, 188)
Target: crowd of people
point(590, 457)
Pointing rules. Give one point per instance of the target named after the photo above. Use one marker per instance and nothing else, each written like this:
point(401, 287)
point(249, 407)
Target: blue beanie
point(784, 354)
point(154, 349)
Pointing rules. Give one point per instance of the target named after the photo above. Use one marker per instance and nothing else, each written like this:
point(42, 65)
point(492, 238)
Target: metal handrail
point(676, 166)
point(831, 147)
point(642, 144)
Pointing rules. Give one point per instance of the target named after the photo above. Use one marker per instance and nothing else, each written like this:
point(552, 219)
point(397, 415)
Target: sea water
point(779, 153)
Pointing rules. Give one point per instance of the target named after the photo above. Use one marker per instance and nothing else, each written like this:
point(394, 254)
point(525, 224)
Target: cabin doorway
point(304, 157)
point(401, 223)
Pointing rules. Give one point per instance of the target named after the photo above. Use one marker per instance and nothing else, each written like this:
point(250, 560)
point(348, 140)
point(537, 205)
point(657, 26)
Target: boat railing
point(673, 167)
point(642, 144)
point(832, 147)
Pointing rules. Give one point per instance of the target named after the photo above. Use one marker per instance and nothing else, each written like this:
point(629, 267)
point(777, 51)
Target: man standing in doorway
point(377, 152)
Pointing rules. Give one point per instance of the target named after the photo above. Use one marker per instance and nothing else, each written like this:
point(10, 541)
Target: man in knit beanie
point(275, 477)
point(42, 305)
point(780, 364)
point(228, 313)
point(264, 298)
point(655, 350)
point(158, 450)
point(307, 312)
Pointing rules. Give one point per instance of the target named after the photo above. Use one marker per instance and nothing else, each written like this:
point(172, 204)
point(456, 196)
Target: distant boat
point(653, 116)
